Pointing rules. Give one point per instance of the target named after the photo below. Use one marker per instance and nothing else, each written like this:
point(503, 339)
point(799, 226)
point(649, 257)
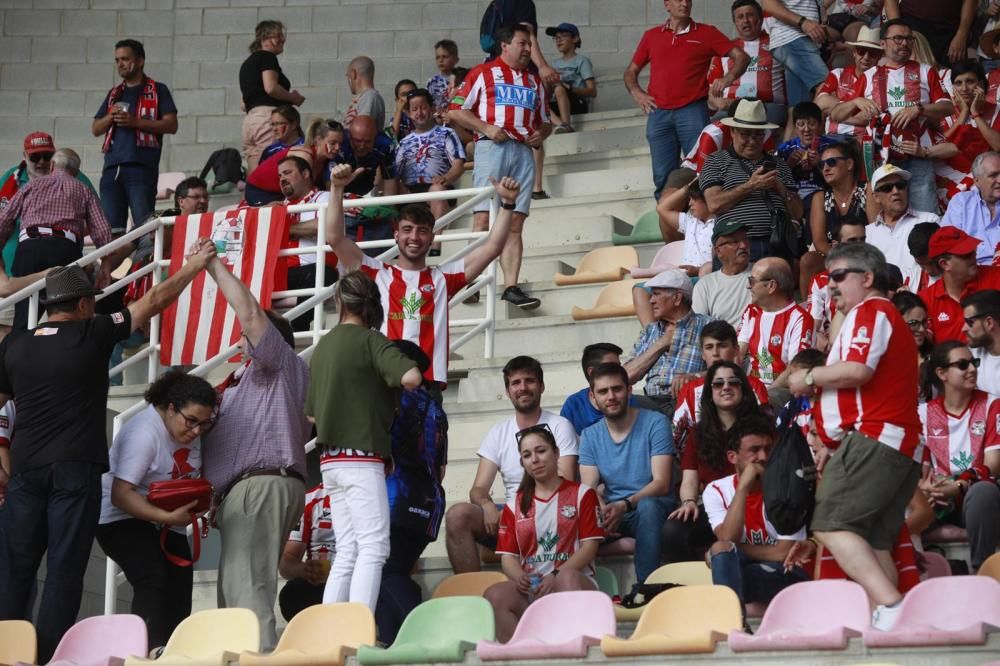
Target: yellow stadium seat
point(17, 642)
point(682, 573)
point(681, 620)
point(472, 584)
point(615, 300)
point(605, 264)
point(319, 635)
point(991, 567)
point(209, 638)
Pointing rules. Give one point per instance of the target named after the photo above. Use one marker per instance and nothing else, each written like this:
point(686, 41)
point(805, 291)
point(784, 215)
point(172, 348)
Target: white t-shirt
point(697, 239)
point(989, 371)
point(500, 447)
point(144, 452)
point(722, 296)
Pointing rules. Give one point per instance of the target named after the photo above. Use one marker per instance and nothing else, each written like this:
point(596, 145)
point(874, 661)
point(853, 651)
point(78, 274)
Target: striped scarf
point(149, 105)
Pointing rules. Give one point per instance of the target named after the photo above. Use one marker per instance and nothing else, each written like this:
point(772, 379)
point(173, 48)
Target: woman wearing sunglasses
point(159, 443)
point(962, 431)
point(726, 399)
point(548, 536)
point(324, 136)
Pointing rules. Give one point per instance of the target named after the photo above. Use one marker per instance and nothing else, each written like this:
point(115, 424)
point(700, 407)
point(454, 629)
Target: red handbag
point(173, 494)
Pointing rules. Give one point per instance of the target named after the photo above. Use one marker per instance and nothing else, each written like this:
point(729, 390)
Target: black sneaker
point(516, 296)
point(539, 195)
point(472, 299)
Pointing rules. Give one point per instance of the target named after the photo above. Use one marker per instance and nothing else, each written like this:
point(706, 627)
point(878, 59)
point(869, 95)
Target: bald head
point(771, 283)
point(777, 269)
point(361, 74)
point(362, 132)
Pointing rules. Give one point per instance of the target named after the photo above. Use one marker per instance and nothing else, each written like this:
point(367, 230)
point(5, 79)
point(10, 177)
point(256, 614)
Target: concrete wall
point(56, 57)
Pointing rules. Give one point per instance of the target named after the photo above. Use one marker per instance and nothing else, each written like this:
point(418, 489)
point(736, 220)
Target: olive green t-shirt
point(354, 379)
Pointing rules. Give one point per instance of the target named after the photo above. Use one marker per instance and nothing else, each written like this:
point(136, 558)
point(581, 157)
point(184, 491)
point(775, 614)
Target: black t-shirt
point(58, 377)
point(252, 79)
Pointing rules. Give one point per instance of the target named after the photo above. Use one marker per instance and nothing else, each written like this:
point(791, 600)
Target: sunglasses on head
point(900, 185)
point(963, 363)
point(726, 381)
point(841, 274)
point(532, 430)
point(38, 157)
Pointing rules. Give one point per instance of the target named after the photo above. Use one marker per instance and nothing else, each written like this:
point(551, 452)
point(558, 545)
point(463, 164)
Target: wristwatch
point(802, 19)
point(508, 206)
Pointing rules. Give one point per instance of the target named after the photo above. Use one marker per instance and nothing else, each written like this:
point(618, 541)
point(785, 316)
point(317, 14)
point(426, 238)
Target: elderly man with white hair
point(56, 212)
point(975, 211)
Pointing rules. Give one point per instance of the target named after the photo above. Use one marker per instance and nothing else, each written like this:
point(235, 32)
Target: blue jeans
point(53, 508)
point(923, 191)
point(644, 524)
point(804, 68)
point(752, 580)
point(128, 187)
point(671, 132)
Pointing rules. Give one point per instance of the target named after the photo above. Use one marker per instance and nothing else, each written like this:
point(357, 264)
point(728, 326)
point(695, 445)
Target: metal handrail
point(317, 295)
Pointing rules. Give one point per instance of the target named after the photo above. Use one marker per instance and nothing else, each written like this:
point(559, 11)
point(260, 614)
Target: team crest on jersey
point(861, 341)
point(943, 316)
point(775, 340)
point(511, 95)
point(567, 511)
point(427, 288)
point(548, 540)
point(978, 428)
point(912, 76)
point(228, 238)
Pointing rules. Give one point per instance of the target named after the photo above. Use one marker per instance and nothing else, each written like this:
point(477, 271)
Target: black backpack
point(790, 476)
point(226, 166)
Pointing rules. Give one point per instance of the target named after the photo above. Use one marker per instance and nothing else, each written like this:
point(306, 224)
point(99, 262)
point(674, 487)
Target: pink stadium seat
point(557, 626)
point(816, 615)
point(618, 547)
point(167, 184)
point(952, 610)
point(102, 640)
point(936, 565)
point(669, 256)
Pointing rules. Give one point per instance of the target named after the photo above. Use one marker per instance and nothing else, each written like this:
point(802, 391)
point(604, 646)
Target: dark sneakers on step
point(516, 296)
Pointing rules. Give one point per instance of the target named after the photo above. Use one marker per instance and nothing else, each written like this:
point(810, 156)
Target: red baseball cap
point(951, 240)
point(38, 142)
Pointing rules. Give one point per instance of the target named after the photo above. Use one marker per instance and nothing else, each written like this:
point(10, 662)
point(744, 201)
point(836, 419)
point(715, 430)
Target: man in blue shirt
point(579, 409)
point(975, 212)
point(631, 452)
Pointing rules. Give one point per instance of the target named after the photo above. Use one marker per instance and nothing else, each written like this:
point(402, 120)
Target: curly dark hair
point(178, 388)
point(712, 437)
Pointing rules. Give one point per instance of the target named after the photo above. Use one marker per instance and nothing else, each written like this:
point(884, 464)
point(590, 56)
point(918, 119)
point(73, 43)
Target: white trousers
point(359, 505)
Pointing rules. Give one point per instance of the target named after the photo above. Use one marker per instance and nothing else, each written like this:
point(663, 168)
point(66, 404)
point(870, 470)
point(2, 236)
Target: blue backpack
point(492, 21)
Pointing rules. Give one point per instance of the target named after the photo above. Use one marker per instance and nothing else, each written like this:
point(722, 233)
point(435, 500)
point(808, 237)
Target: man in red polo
point(954, 251)
point(679, 53)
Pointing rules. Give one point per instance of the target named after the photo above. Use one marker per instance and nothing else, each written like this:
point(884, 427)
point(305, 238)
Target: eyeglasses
point(917, 324)
point(532, 430)
point(733, 241)
point(969, 321)
point(832, 161)
point(900, 40)
point(38, 157)
point(900, 185)
point(752, 280)
point(841, 274)
point(963, 364)
point(871, 53)
point(726, 381)
point(191, 423)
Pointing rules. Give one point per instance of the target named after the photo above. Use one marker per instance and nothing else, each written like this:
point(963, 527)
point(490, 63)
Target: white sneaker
point(884, 617)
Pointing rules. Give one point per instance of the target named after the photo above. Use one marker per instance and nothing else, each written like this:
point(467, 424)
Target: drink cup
point(122, 106)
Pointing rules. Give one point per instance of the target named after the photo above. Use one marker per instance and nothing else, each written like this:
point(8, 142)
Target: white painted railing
point(317, 295)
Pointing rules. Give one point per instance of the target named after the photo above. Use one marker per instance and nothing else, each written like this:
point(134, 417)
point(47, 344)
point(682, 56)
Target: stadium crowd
point(834, 173)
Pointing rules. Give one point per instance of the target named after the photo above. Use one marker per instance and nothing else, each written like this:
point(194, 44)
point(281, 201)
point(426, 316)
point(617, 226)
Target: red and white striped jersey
point(689, 399)
point(840, 83)
point(917, 279)
point(895, 88)
point(416, 306)
point(757, 529)
point(315, 528)
point(764, 77)
point(821, 306)
point(717, 136)
point(774, 338)
point(512, 99)
point(957, 442)
point(552, 530)
point(885, 407)
point(315, 196)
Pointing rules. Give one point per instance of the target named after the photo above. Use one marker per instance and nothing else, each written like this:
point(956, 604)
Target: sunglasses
point(841, 274)
point(871, 53)
point(969, 321)
point(38, 157)
point(533, 430)
point(963, 363)
point(728, 381)
point(900, 185)
point(832, 161)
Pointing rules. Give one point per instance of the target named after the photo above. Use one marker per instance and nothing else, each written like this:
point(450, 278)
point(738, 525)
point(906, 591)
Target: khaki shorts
point(257, 134)
point(865, 489)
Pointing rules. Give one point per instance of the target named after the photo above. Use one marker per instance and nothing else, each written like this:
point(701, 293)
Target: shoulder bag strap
point(767, 199)
point(177, 560)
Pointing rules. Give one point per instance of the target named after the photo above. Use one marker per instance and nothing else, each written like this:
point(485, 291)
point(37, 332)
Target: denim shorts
point(509, 158)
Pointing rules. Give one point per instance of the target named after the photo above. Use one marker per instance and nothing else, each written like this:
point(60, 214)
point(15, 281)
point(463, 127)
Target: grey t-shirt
point(367, 103)
point(722, 296)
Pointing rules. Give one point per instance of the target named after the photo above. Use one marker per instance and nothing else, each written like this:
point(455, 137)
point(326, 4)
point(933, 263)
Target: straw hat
point(868, 38)
point(750, 114)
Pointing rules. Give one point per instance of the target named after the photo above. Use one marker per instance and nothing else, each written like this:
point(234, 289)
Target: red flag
point(200, 323)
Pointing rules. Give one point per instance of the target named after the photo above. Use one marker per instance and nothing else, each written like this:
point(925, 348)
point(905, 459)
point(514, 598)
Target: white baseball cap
point(672, 278)
point(887, 170)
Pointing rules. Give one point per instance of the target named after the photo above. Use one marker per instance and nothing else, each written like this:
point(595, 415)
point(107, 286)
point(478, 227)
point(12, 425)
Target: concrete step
point(595, 140)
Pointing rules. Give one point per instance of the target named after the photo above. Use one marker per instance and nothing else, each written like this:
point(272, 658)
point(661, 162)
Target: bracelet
point(685, 501)
point(508, 206)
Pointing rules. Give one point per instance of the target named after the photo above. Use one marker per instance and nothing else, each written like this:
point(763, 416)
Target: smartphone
point(769, 165)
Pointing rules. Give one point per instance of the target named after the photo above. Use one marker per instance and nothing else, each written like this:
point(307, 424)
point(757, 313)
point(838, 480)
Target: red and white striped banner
point(200, 323)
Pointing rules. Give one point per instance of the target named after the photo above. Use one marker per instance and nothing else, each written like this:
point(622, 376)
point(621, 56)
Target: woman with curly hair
point(727, 398)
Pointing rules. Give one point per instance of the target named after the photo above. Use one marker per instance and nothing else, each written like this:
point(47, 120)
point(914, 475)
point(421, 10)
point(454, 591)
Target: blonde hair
point(922, 52)
point(359, 295)
point(264, 30)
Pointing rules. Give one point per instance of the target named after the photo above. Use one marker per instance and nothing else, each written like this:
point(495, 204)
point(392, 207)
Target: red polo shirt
point(678, 61)
point(944, 313)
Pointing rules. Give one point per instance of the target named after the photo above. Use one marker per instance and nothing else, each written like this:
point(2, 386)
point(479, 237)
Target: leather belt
point(268, 471)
